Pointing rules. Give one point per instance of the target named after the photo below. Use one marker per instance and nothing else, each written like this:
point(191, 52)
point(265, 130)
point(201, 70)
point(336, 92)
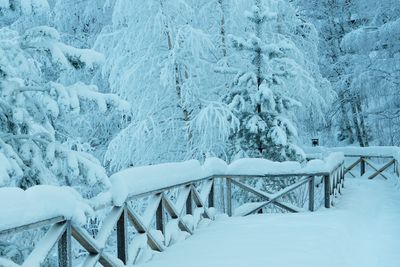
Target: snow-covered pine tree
point(258, 95)
point(38, 108)
point(33, 105)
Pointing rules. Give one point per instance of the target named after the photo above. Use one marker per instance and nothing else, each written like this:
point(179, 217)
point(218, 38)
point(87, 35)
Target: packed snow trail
point(363, 229)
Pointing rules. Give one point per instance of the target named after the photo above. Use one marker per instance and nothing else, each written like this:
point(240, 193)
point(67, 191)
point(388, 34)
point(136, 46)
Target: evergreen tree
point(258, 96)
point(34, 107)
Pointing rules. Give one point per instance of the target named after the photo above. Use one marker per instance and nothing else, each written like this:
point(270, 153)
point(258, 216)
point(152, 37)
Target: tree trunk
point(364, 133)
point(258, 66)
point(345, 122)
point(178, 78)
point(222, 32)
point(356, 122)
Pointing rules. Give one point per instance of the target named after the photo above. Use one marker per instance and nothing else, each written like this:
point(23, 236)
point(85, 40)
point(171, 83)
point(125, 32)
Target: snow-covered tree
point(84, 22)
point(158, 58)
point(357, 57)
point(259, 97)
point(370, 55)
point(331, 19)
point(34, 104)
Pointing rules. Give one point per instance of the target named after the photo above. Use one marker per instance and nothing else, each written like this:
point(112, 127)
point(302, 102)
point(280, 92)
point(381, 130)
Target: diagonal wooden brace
point(380, 170)
point(265, 196)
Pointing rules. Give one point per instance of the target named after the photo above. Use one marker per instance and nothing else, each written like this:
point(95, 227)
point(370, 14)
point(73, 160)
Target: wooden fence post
point(229, 196)
point(189, 203)
point(311, 190)
point(327, 191)
point(342, 174)
point(211, 195)
point(64, 247)
point(362, 166)
point(333, 187)
point(122, 236)
point(160, 217)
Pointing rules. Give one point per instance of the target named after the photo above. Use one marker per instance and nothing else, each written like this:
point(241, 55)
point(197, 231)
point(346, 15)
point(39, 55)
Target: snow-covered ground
point(363, 229)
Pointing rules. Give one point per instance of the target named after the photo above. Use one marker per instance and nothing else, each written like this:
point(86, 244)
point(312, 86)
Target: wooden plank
point(311, 193)
point(108, 225)
point(163, 189)
point(96, 246)
point(367, 156)
point(229, 196)
point(275, 175)
point(352, 174)
point(327, 191)
point(376, 169)
point(153, 203)
point(169, 207)
point(136, 221)
point(243, 209)
point(339, 185)
point(196, 197)
point(44, 246)
point(88, 243)
point(337, 167)
point(64, 247)
point(199, 202)
point(265, 196)
point(84, 239)
point(380, 170)
point(205, 190)
point(108, 260)
point(182, 198)
point(349, 168)
point(160, 220)
point(175, 215)
point(30, 226)
point(142, 228)
point(343, 177)
point(122, 236)
point(335, 183)
point(211, 196)
point(362, 166)
point(189, 202)
point(279, 194)
point(91, 260)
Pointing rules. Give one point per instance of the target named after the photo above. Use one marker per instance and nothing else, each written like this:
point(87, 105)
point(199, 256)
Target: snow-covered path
point(363, 229)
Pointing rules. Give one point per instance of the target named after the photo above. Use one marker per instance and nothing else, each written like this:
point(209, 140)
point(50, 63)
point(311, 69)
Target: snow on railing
point(39, 203)
point(372, 161)
point(152, 207)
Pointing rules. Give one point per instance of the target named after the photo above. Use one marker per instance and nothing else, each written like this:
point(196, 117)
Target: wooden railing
point(366, 162)
point(152, 217)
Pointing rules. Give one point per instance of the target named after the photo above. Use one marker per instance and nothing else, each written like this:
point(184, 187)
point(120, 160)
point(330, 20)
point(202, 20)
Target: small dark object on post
point(315, 142)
